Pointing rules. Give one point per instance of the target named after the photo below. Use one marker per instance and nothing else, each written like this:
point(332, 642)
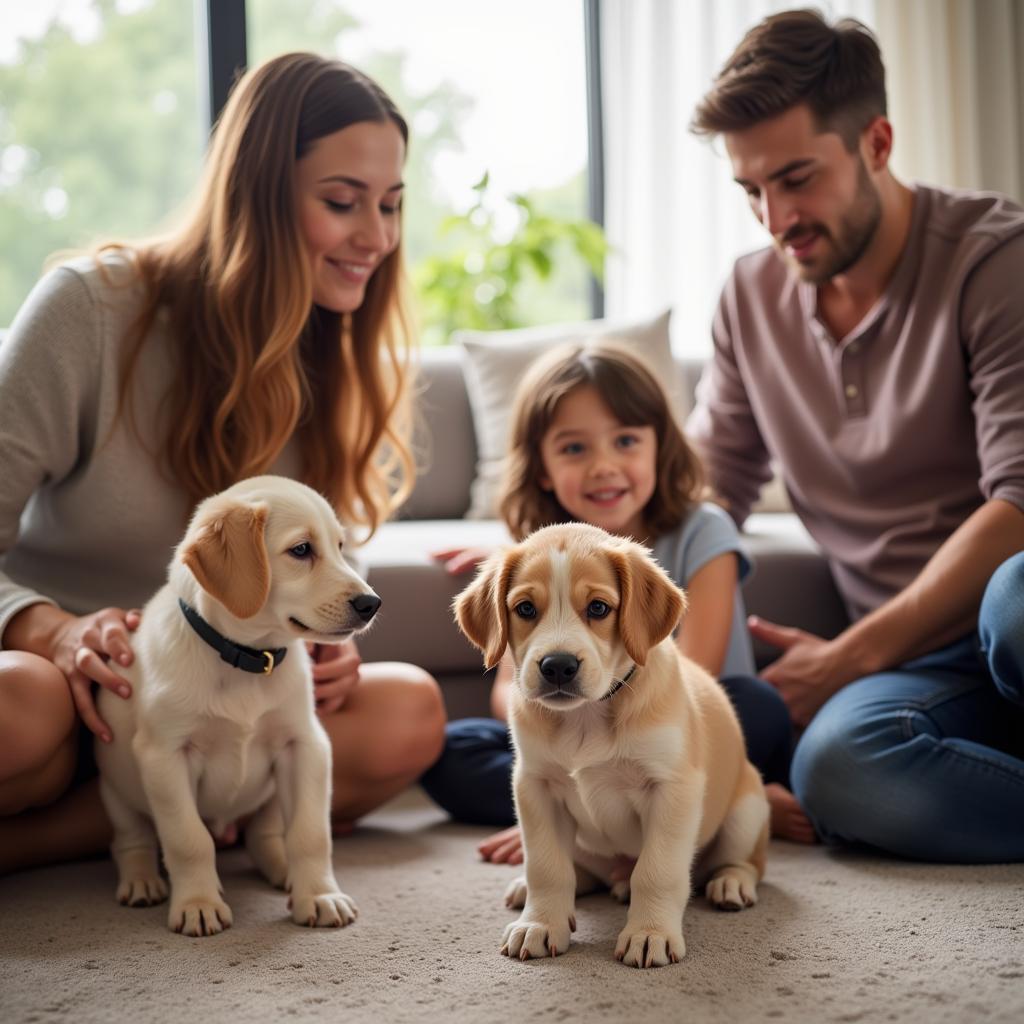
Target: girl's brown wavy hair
point(634, 397)
point(256, 361)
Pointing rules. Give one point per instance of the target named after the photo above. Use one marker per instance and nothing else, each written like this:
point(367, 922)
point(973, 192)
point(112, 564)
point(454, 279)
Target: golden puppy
point(221, 723)
point(623, 746)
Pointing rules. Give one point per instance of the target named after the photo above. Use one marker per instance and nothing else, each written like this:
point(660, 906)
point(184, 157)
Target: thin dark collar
point(618, 684)
point(248, 659)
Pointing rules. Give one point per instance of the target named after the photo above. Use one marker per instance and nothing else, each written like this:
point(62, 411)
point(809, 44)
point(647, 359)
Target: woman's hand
point(461, 560)
point(335, 673)
point(84, 648)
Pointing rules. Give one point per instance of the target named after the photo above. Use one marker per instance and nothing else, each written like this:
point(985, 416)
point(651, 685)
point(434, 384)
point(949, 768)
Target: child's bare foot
point(226, 838)
point(504, 847)
point(788, 818)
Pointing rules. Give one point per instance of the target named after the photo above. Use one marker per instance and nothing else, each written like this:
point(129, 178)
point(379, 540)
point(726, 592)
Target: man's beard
point(856, 231)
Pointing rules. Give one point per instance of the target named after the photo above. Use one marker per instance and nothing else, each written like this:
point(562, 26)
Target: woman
point(265, 334)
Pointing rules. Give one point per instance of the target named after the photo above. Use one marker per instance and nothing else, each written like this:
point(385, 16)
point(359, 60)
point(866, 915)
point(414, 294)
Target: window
point(100, 132)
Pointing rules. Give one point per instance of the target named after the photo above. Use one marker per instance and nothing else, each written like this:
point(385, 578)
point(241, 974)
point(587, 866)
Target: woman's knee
point(414, 722)
point(1001, 627)
point(38, 733)
point(37, 713)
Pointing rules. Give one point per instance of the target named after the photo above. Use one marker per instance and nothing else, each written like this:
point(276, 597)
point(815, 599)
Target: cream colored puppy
point(221, 723)
point(623, 746)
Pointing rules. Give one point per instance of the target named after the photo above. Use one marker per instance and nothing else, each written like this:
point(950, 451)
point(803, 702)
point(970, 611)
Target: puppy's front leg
point(134, 850)
point(660, 883)
point(549, 835)
point(304, 781)
point(196, 904)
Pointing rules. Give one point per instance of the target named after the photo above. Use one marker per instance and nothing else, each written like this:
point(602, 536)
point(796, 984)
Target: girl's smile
point(602, 472)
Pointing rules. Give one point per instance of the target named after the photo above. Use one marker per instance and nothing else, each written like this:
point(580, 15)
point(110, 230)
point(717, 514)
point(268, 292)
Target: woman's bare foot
point(788, 818)
point(504, 847)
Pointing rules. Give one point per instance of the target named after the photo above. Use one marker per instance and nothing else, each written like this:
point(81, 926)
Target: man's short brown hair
point(797, 57)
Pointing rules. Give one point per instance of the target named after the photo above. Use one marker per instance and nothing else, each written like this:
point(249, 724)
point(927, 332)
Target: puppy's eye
point(301, 551)
point(526, 610)
point(597, 610)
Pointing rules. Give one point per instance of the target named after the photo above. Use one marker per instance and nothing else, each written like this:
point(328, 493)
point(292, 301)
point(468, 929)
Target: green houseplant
point(477, 279)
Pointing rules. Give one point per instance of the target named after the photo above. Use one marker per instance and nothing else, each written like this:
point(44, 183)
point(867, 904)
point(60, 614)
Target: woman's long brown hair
point(257, 362)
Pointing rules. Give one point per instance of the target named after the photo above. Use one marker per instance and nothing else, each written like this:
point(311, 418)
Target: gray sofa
point(791, 583)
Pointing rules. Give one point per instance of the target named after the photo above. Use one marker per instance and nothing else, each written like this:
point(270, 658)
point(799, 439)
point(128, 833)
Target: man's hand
point(335, 673)
point(809, 671)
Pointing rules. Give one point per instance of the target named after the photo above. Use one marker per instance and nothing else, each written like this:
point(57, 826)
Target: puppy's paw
point(142, 890)
point(515, 894)
point(646, 947)
point(732, 888)
point(620, 891)
point(199, 916)
point(323, 910)
point(529, 938)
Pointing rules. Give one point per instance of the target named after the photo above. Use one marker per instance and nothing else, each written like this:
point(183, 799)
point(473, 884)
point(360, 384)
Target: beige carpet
point(837, 936)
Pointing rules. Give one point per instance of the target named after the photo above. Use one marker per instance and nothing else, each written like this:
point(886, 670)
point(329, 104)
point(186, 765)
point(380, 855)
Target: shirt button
point(853, 348)
point(851, 391)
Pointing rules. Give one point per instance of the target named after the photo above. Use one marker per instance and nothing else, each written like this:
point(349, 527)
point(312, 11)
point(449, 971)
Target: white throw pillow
point(496, 360)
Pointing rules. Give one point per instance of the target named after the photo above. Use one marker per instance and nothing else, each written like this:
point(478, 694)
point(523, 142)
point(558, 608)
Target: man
point(876, 353)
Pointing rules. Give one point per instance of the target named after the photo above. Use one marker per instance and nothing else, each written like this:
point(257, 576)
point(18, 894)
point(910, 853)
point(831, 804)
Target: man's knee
point(823, 772)
point(863, 778)
point(1001, 627)
point(845, 768)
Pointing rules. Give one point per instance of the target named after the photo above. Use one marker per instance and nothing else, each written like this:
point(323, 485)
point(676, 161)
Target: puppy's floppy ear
point(480, 609)
point(226, 551)
point(650, 603)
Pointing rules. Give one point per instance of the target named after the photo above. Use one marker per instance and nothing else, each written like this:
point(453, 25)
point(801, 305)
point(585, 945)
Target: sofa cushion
point(444, 445)
point(496, 360)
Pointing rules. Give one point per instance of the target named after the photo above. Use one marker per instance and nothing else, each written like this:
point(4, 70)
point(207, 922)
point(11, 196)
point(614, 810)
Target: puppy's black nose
point(559, 668)
point(366, 606)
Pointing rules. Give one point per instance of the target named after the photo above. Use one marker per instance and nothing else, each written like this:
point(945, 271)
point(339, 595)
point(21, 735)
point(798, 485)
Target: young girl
point(594, 440)
point(263, 334)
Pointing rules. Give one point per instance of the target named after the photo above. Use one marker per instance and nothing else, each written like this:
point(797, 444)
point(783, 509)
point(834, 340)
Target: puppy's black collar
point(248, 659)
point(618, 684)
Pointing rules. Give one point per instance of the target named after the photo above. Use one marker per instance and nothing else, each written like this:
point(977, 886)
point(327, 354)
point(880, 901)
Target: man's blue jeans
point(927, 760)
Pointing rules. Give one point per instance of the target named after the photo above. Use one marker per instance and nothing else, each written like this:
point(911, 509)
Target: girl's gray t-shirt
point(707, 532)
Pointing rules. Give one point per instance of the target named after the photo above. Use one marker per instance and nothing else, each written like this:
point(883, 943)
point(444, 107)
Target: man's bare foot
point(504, 847)
point(788, 818)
